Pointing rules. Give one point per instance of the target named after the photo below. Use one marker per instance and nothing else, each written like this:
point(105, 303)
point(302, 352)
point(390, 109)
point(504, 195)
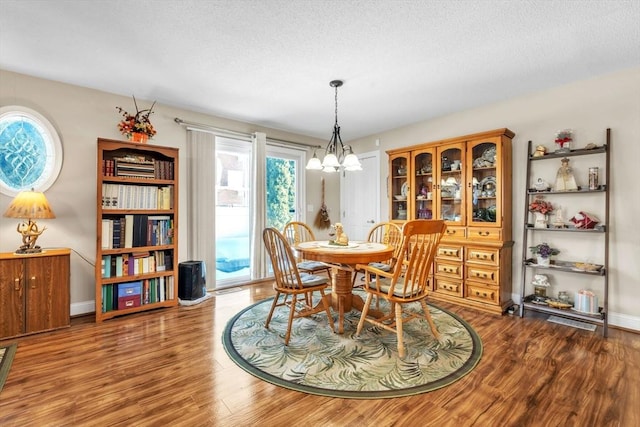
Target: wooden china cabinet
point(465, 181)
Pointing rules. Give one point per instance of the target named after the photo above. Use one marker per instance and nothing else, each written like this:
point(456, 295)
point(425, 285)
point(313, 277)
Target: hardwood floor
point(168, 367)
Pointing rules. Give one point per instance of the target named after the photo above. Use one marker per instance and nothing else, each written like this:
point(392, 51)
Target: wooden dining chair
point(297, 232)
point(296, 288)
point(388, 233)
point(407, 281)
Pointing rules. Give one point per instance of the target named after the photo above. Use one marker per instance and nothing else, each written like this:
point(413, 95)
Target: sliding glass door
point(233, 206)
point(285, 183)
point(232, 213)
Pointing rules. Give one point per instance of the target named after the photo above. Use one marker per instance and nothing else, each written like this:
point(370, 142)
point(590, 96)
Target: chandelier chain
point(336, 98)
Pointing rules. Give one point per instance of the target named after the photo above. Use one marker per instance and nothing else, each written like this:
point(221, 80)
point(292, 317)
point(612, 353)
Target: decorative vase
point(540, 291)
point(139, 137)
point(540, 220)
point(544, 262)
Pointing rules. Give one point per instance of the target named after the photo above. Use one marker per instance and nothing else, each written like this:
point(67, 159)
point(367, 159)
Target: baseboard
point(80, 308)
point(623, 321)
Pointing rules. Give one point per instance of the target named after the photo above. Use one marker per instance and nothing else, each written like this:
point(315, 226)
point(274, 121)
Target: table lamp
point(29, 205)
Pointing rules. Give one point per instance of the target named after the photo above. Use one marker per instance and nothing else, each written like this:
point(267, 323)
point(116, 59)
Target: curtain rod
point(243, 134)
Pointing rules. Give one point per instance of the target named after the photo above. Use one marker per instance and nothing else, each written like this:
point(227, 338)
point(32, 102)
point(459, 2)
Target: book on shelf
point(146, 296)
point(138, 167)
point(108, 168)
point(125, 196)
point(137, 263)
point(116, 233)
point(136, 230)
point(140, 230)
point(106, 266)
point(106, 260)
point(107, 297)
point(106, 234)
point(128, 231)
point(119, 272)
point(125, 264)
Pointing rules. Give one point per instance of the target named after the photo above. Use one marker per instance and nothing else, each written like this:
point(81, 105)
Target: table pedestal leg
point(342, 298)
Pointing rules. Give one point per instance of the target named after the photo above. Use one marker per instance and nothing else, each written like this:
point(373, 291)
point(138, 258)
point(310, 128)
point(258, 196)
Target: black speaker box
point(192, 283)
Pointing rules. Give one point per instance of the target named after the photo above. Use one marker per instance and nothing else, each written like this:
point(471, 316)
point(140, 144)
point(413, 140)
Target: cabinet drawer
point(488, 256)
point(449, 268)
point(449, 287)
point(455, 233)
point(450, 252)
point(480, 233)
point(484, 274)
point(482, 293)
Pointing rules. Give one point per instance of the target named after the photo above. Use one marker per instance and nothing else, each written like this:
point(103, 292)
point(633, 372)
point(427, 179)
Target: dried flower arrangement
point(540, 205)
point(138, 123)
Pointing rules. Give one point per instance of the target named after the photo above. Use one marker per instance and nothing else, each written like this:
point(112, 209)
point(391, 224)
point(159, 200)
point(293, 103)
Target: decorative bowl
point(400, 197)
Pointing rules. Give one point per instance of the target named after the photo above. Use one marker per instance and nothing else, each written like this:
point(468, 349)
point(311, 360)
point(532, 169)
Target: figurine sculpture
point(541, 150)
point(559, 221)
point(341, 239)
point(565, 180)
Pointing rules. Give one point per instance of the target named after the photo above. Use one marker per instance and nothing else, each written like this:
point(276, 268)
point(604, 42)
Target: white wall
point(80, 116)
point(588, 107)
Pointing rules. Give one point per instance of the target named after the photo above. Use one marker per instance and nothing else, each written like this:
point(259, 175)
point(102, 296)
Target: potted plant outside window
point(543, 253)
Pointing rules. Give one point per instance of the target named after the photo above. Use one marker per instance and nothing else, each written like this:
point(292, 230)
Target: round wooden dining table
point(343, 260)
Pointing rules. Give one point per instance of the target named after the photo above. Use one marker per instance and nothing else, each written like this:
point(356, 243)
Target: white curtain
point(201, 179)
point(258, 253)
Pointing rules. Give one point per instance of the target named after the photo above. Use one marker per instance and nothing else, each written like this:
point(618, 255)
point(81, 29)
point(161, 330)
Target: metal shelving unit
point(527, 301)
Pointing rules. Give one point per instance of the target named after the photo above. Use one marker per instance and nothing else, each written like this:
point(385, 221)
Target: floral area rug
point(318, 361)
point(6, 358)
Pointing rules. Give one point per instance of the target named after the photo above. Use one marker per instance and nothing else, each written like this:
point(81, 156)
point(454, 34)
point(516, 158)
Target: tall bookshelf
point(136, 224)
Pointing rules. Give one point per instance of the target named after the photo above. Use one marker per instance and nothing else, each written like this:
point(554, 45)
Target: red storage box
point(129, 302)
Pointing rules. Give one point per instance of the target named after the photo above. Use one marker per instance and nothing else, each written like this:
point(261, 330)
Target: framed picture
point(30, 151)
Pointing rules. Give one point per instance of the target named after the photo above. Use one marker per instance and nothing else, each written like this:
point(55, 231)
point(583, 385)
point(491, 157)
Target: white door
point(360, 197)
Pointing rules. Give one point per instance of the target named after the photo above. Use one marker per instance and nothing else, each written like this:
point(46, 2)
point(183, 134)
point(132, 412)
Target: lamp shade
point(30, 205)
point(351, 162)
point(314, 164)
point(330, 160)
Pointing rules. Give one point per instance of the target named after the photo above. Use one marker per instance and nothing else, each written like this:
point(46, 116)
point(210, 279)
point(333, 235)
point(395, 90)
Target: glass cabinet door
point(451, 184)
point(483, 208)
point(423, 187)
point(399, 186)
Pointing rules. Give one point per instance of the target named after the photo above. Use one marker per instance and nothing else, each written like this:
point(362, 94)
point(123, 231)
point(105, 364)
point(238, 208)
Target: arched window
point(30, 151)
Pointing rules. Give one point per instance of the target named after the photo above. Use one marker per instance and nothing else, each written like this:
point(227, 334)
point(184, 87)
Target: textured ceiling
point(270, 62)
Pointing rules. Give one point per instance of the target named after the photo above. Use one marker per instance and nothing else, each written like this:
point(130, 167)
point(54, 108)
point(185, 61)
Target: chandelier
point(336, 154)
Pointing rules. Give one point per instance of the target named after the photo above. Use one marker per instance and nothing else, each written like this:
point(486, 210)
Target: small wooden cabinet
point(465, 181)
point(34, 292)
